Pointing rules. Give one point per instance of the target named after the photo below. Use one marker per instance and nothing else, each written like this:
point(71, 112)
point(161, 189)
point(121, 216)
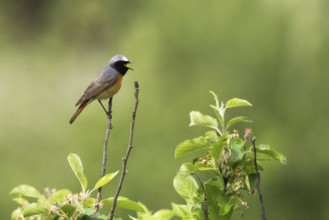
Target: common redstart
point(106, 85)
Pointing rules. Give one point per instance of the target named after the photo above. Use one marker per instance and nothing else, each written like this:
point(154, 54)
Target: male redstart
point(106, 85)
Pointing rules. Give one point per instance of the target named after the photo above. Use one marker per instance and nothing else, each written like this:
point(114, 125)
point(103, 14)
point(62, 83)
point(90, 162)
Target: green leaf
point(186, 187)
point(203, 168)
point(105, 179)
point(219, 112)
point(60, 195)
point(262, 147)
point(36, 209)
point(218, 146)
point(204, 120)
point(17, 214)
point(237, 120)
point(216, 182)
point(265, 149)
point(214, 190)
point(227, 207)
point(68, 209)
point(218, 109)
point(143, 214)
point(91, 215)
point(216, 98)
point(247, 182)
point(187, 168)
point(211, 136)
point(124, 203)
point(181, 210)
point(235, 102)
point(163, 214)
point(252, 178)
point(26, 190)
point(190, 146)
point(20, 201)
point(89, 203)
point(237, 150)
point(77, 168)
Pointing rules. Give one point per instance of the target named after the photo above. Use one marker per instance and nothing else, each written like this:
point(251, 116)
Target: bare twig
point(106, 139)
point(125, 159)
point(262, 206)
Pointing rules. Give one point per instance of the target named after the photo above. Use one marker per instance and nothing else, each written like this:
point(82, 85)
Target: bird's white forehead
point(123, 58)
point(119, 58)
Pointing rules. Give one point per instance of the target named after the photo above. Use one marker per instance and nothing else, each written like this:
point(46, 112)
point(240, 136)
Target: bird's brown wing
point(92, 90)
point(104, 80)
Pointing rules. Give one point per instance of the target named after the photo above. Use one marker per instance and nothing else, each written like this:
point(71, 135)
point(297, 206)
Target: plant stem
point(130, 147)
point(105, 143)
point(260, 195)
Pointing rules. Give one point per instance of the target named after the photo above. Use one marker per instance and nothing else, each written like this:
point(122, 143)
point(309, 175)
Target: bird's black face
point(121, 66)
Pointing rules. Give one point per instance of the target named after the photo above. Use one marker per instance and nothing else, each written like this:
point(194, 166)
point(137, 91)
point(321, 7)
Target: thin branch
point(125, 159)
point(106, 139)
point(262, 206)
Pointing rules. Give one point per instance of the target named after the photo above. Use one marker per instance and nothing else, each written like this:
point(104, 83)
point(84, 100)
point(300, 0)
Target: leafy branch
point(63, 203)
point(231, 164)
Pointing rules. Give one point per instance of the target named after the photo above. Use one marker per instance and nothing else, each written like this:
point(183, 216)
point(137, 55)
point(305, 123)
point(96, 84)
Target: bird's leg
point(109, 112)
point(106, 112)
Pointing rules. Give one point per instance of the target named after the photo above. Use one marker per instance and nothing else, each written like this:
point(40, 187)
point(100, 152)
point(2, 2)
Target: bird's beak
point(129, 62)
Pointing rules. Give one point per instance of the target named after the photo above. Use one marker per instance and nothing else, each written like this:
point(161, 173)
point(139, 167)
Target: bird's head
point(119, 63)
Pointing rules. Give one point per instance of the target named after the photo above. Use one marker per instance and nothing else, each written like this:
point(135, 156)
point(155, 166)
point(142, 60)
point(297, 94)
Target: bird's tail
point(79, 110)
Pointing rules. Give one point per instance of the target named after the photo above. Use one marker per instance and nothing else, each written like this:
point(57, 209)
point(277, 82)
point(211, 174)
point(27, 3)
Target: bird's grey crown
point(117, 58)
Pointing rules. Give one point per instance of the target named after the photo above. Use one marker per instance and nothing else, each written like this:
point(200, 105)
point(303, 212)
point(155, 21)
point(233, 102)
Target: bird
point(106, 85)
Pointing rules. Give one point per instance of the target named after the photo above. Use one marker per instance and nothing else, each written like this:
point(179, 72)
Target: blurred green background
point(272, 53)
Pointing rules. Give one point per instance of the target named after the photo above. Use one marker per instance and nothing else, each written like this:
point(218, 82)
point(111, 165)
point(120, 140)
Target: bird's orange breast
point(112, 90)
